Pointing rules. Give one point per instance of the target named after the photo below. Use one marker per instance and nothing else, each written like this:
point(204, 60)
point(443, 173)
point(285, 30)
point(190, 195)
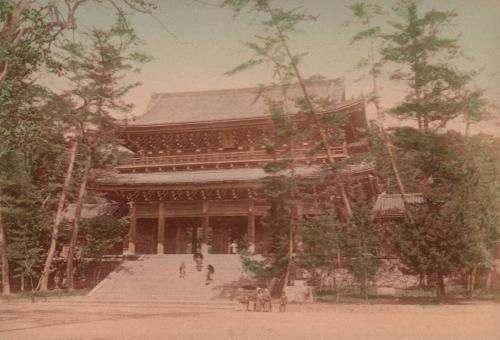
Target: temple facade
point(193, 181)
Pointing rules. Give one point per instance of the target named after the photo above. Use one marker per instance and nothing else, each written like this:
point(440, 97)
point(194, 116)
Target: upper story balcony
point(230, 159)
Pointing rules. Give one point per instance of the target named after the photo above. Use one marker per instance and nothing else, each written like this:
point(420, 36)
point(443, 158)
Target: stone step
point(158, 302)
point(156, 277)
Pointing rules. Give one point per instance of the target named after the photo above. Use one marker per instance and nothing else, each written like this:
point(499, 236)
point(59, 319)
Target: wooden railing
point(224, 158)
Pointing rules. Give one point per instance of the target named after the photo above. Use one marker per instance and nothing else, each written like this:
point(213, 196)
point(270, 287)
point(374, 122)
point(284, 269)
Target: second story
point(231, 128)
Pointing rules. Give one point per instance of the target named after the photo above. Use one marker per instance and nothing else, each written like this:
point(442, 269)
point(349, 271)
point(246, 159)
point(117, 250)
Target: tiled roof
point(392, 204)
point(355, 168)
point(191, 177)
point(205, 176)
point(89, 210)
point(203, 106)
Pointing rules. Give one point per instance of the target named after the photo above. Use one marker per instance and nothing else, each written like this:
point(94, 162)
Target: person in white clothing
point(233, 248)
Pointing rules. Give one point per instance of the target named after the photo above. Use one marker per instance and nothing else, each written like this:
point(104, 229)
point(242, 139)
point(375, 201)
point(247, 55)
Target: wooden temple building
point(193, 182)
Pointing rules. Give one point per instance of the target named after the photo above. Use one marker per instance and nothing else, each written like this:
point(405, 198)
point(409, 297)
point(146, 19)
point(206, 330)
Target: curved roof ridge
point(228, 104)
point(239, 89)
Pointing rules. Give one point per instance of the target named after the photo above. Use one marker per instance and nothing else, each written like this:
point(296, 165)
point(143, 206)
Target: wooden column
point(204, 228)
point(133, 228)
point(161, 229)
point(251, 227)
point(194, 239)
point(178, 231)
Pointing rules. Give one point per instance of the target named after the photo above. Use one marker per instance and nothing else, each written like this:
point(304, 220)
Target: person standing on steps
point(182, 270)
point(198, 260)
point(210, 273)
point(233, 248)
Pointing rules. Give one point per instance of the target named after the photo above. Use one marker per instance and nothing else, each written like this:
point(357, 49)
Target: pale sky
point(194, 44)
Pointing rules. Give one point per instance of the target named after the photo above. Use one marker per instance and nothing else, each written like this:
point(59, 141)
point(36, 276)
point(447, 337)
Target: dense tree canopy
point(36, 120)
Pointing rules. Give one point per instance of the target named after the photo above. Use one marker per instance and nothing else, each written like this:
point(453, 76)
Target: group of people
point(262, 301)
point(198, 260)
point(259, 301)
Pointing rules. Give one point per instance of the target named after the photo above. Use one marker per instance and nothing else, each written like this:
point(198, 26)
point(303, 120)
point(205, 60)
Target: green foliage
point(424, 59)
point(327, 240)
point(367, 16)
point(24, 216)
point(439, 156)
point(323, 237)
point(269, 48)
point(459, 224)
point(101, 234)
point(283, 187)
point(258, 269)
point(96, 68)
point(34, 120)
point(363, 243)
point(26, 253)
point(436, 241)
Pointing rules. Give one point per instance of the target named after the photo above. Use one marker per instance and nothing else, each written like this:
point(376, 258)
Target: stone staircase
point(156, 278)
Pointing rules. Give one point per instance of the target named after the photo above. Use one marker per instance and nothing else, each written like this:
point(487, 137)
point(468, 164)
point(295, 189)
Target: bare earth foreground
point(70, 320)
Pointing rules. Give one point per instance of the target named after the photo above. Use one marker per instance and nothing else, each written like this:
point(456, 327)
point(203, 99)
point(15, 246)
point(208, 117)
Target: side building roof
point(391, 205)
point(231, 104)
point(92, 210)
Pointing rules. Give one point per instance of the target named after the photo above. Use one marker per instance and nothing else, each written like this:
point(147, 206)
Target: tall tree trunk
point(314, 115)
point(395, 170)
point(44, 279)
point(5, 259)
point(385, 137)
point(440, 288)
point(294, 213)
point(339, 267)
point(365, 284)
point(76, 222)
point(10, 31)
point(473, 281)
point(290, 251)
point(469, 280)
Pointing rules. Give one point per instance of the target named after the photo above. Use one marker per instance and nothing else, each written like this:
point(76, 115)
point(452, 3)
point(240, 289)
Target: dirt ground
point(71, 320)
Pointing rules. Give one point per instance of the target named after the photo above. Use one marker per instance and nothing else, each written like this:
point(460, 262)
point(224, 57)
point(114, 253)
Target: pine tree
point(362, 244)
point(365, 14)
point(97, 72)
point(273, 47)
point(27, 131)
point(424, 60)
point(32, 117)
point(455, 228)
point(324, 241)
point(437, 243)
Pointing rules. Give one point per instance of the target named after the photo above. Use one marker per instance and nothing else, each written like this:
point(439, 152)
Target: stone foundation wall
point(388, 275)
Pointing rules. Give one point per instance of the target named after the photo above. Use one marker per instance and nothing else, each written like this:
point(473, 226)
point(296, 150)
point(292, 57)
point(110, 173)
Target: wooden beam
point(161, 228)
point(132, 234)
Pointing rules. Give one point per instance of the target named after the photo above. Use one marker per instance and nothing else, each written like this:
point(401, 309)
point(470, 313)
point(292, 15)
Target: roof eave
point(261, 119)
